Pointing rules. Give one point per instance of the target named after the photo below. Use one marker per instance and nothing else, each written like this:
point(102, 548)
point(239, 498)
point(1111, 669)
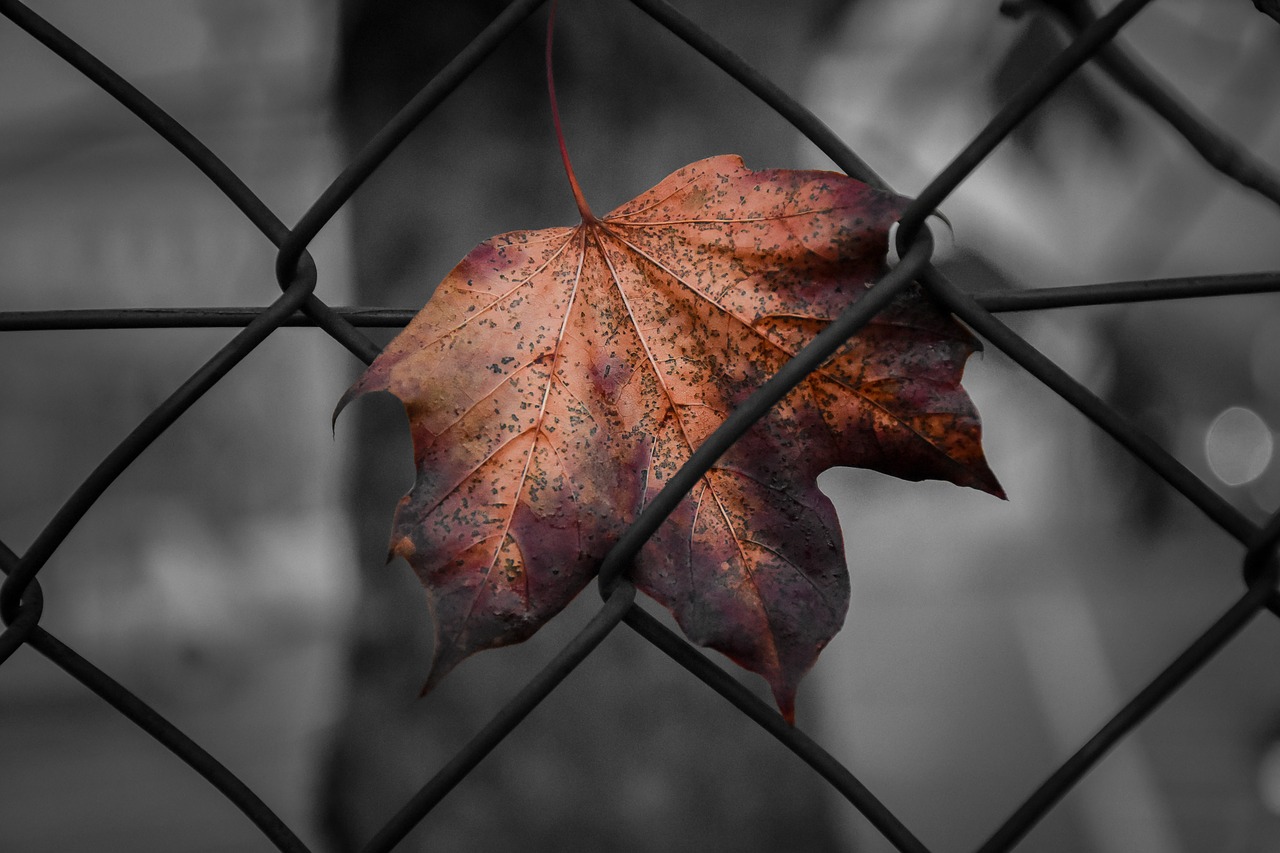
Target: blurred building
point(211, 578)
point(986, 642)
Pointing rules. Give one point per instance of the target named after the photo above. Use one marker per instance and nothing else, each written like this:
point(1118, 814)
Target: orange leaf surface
point(558, 378)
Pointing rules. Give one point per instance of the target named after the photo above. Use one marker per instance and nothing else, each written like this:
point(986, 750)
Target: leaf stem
point(579, 199)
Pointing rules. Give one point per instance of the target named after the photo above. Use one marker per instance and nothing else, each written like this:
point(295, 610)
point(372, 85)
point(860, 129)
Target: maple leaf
point(557, 379)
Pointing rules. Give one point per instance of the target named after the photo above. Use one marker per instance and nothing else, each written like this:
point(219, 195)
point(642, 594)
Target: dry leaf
point(558, 378)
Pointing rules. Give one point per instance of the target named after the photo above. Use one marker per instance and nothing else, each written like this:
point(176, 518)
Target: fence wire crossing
point(21, 602)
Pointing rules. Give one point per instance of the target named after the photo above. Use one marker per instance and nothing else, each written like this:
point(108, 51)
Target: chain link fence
point(21, 601)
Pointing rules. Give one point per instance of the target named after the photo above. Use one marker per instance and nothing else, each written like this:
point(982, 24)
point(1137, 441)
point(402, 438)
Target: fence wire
point(21, 601)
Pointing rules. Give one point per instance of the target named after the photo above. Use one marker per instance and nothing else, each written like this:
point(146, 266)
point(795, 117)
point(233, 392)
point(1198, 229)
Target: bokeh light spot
point(1238, 446)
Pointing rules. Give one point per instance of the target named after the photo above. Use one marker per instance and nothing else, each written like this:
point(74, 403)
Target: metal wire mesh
point(21, 601)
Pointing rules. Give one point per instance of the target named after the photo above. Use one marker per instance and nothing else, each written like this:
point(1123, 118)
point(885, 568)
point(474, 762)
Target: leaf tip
point(986, 481)
point(430, 684)
point(401, 545)
point(784, 682)
point(444, 659)
point(351, 393)
point(785, 697)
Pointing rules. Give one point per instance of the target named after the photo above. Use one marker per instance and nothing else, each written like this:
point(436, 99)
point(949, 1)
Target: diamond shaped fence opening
point(1236, 448)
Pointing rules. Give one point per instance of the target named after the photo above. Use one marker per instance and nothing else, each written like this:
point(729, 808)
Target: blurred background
point(213, 577)
point(233, 576)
